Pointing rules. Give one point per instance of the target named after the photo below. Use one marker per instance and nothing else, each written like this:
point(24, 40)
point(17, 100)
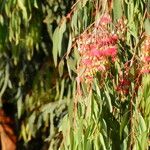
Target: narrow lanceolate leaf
point(55, 45)
point(72, 64)
point(142, 124)
point(19, 106)
point(23, 8)
point(1, 20)
point(102, 141)
point(35, 4)
point(5, 80)
point(69, 45)
point(69, 70)
point(117, 9)
point(147, 26)
point(61, 68)
point(124, 122)
point(62, 29)
point(62, 89)
point(108, 100)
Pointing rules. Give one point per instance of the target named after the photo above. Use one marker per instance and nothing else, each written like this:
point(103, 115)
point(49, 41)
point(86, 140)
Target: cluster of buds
point(145, 49)
point(96, 48)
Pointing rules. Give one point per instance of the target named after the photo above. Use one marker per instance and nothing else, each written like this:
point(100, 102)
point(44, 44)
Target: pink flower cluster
point(110, 51)
point(146, 55)
point(97, 48)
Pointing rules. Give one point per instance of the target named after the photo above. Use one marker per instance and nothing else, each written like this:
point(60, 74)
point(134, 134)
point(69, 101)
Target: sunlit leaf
point(61, 67)
point(108, 100)
point(55, 45)
point(147, 26)
point(117, 9)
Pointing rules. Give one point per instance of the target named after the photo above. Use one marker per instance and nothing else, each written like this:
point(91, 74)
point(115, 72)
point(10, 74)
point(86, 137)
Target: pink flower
point(87, 61)
point(101, 68)
point(105, 19)
point(89, 78)
point(101, 53)
point(145, 71)
point(114, 38)
point(95, 52)
point(147, 58)
point(106, 40)
point(110, 52)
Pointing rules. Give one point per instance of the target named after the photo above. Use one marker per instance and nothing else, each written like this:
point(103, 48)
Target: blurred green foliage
point(28, 78)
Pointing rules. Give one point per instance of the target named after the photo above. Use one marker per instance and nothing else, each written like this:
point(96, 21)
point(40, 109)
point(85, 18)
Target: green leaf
point(55, 45)
point(71, 64)
point(70, 111)
point(69, 45)
point(39, 122)
point(62, 89)
point(124, 122)
point(23, 8)
point(5, 80)
point(142, 141)
point(74, 22)
point(62, 29)
point(102, 141)
point(80, 130)
point(117, 9)
point(108, 100)
point(35, 4)
point(61, 67)
point(1, 20)
point(31, 123)
point(147, 26)
point(124, 144)
point(88, 145)
point(19, 106)
point(142, 124)
point(65, 128)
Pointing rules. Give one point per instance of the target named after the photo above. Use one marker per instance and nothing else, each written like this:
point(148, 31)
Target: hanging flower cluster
point(146, 55)
point(96, 48)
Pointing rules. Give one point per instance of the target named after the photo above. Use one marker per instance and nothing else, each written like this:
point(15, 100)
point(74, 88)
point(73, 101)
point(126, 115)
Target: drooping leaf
point(147, 26)
point(55, 45)
point(61, 68)
point(117, 9)
point(61, 33)
point(108, 100)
